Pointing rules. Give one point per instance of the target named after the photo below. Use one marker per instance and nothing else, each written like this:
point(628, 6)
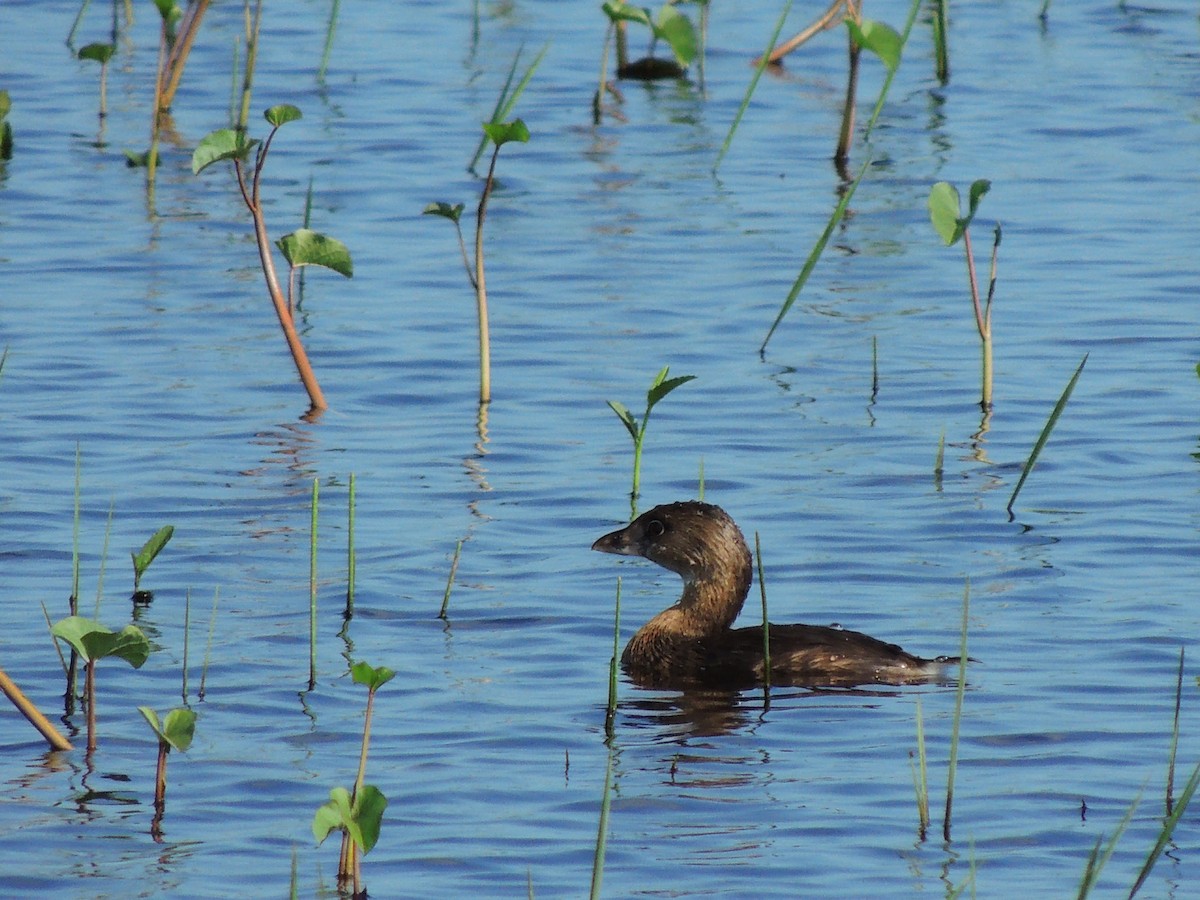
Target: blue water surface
point(139, 335)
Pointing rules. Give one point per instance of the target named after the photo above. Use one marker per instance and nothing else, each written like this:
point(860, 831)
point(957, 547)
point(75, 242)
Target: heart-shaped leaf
point(224, 143)
point(93, 641)
point(305, 247)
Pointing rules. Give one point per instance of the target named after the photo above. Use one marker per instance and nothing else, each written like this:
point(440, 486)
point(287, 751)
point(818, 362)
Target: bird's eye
point(655, 528)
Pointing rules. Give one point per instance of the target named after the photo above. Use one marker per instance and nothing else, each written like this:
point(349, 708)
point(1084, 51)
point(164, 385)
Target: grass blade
point(1167, 830)
point(763, 62)
point(1045, 435)
point(817, 250)
point(958, 704)
point(611, 713)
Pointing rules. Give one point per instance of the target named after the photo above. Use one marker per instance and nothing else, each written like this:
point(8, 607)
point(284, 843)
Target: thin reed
point(766, 624)
point(763, 62)
point(815, 254)
point(602, 828)
point(351, 556)
point(212, 628)
point(958, 704)
point(920, 770)
point(1045, 435)
point(610, 714)
point(312, 588)
point(450, 580)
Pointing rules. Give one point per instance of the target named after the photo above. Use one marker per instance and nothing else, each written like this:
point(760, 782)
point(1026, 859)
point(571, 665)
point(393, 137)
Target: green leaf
point(1046, 429)
point(882, 40)
point(361, 821)
point(282, 114)
point(368, 811)
point(445, 210)
point(176, 729)
point(978, 189)
point(676, 29)
point(943, 211)
point(663, 386)
point(503, 132)
point(93, 641)
point(101, 53)
point(151, 718)
point(5, 104)
point(179, 727)
point(373, 678)
point(150, 549)
point(224, 143)
point(623, 12)
point(625, 416)
point(305, 247)
point(334, 815)
point(169, 10)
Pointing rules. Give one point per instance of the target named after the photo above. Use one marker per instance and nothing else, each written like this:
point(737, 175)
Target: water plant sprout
point(951, 225)
point(659, 388)
point(1045, 433)
point(100, 53)
point(668, 25)
point(358, 813)
point(766, 624)
point(174, 732)
point(145, 556)
point(93, 642)
point(499, 134)
point(301, 248)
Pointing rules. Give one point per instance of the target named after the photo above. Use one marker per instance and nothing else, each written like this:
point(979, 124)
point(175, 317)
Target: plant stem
point(611, 712)
point(33, 714)
point(89, 692)
point(160, 777)
point(766, 624)
point(179, 53)
point(303, 366)
point(351, 557)
point(312, 590)
point(958, 704)
point(842, 154)
point(485, 352)
point(450, 580)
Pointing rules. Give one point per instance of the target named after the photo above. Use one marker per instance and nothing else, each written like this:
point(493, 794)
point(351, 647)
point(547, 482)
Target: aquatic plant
point(1045, 434)
point(351, 556)
point(602, 827)
point(659, 388)
point(766, 624)
point(142, 559)
point(212, 628)
point(330, 30)
point(610, 714)
point(951, 226)
point(180, 33)
point(174, 732)
point(815, 254)
point(30, 711)
point(93, 642)
point(941, 52)
point(507, 99)
point(759, 67)
point(100, 53)
point(669, 25)
point(450, 580)
point(358, 814)
point(6, 132)
point(500, 134)
point(952, 766)
point(920, 770)
point(300, 248)
point(312, 586)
